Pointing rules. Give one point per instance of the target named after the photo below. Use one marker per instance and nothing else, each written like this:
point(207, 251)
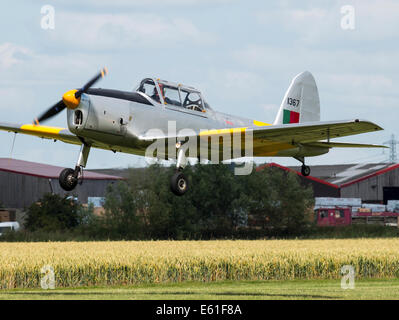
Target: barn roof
point(312, 178)
point(44, 170)
point(372, 174)
point(347, 174)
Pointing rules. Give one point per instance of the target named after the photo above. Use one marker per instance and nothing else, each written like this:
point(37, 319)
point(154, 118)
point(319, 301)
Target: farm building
point(24, 182)
point(370, 182)
point(380, 185)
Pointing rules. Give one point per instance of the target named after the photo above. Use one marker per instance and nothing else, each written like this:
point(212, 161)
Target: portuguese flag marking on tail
point(290, 117)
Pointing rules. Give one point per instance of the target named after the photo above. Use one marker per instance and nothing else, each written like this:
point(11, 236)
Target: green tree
point(217, 204)
point(213, 205)
point(219, 197)
point(278, 201)
point(167, 216)
point(52, 213)
point(123, 213)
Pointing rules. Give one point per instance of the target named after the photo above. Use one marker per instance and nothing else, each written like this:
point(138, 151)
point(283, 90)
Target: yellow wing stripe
point(261, 124)
point(222, 131)
point(33, 129)
point(232, 130)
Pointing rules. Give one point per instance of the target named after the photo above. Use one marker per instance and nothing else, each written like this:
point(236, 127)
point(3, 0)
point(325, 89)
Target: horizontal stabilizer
point(343, 145)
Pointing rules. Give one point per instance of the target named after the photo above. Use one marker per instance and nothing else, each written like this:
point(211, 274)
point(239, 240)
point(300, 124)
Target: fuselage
point(124, 119)
point(129, 122)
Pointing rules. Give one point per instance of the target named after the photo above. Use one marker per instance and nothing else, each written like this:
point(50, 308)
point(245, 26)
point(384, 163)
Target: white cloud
point(296, 58)
point(234, 91)
point(148, 3)
point(241, 82)
point(13, 98)
point(111, 32)
point(11, 54)
point(300, 15)
point(375, 20)
point(21, 65)
point(270, 107)
point(364, 82)
point(308, 25)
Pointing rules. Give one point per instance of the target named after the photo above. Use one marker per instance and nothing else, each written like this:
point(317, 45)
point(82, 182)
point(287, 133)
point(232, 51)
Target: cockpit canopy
point(173, 94)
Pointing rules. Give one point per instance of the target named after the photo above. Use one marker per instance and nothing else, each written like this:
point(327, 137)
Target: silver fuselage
point(130, 121)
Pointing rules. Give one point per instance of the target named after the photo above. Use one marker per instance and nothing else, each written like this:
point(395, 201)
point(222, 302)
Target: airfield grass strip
point(138, 262)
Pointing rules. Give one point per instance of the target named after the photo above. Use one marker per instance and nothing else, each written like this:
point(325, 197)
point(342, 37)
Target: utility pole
point(392, 148)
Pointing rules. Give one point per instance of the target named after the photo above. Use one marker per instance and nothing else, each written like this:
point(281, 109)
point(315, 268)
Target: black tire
point(179, 184)
point(67, 180)
point(305, 170)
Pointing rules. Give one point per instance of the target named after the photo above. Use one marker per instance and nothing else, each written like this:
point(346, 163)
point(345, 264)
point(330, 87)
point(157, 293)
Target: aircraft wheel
point(179, 184)
point(305, 170)
point(67, 179)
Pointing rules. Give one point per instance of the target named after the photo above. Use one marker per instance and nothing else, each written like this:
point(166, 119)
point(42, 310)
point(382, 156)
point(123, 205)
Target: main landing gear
point(179, 182)
point(69, 177)
point(305, 170)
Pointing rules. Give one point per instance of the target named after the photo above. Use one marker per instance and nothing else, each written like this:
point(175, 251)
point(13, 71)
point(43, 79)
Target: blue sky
point(241, 54)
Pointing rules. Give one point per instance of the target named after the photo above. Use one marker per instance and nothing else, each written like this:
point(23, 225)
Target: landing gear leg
point(179, 182)
point(69, 177)
point(305, 170)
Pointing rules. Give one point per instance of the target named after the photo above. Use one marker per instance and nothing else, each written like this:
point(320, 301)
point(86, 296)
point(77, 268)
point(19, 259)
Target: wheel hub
point(182, 184)
point(70, 179)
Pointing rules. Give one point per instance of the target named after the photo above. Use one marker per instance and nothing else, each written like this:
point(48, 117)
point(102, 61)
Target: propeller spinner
point(70, 99)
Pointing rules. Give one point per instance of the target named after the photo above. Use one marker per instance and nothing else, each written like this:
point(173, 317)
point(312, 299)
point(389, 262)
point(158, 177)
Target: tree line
point(219, 204)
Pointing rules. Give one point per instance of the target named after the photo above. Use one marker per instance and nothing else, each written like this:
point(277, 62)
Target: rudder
point(301, 101)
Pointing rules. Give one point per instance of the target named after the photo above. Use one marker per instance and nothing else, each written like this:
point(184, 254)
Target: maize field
point(136, 262)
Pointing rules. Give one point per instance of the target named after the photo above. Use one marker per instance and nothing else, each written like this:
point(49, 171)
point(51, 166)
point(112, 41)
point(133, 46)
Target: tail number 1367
point(293, 102)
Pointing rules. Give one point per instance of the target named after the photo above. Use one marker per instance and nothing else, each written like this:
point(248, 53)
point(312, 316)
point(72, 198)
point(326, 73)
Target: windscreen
point(147, 86)
point(172, 96)
point(191, 100)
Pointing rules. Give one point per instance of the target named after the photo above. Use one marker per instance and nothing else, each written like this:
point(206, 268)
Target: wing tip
point(376, 126)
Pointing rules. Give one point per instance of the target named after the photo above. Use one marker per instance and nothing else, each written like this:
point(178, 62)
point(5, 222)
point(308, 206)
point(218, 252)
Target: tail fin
point(301, 101)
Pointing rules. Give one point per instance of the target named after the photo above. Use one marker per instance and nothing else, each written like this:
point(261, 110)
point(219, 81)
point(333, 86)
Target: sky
point(241, 54)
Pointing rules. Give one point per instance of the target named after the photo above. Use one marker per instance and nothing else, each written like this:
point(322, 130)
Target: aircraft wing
point(40, 131)
point(57, 133)
point(269, 139)
point(312, 132)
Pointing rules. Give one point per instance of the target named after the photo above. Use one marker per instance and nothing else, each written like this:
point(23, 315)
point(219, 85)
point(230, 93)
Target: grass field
point(225, 290)
point(127, 263)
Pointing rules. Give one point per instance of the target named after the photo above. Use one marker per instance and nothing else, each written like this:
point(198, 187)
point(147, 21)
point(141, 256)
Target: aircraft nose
point(70, 99)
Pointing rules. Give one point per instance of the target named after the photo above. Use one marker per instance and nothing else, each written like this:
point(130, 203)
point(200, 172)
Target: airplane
point(121, 121)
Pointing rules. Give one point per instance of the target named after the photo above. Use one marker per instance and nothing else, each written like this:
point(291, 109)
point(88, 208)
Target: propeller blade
point(51, 112)
point(89, 84)
point(71, 98)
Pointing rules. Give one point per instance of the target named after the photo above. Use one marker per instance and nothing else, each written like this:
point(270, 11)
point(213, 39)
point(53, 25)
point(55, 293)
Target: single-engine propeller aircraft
point(121, 121)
